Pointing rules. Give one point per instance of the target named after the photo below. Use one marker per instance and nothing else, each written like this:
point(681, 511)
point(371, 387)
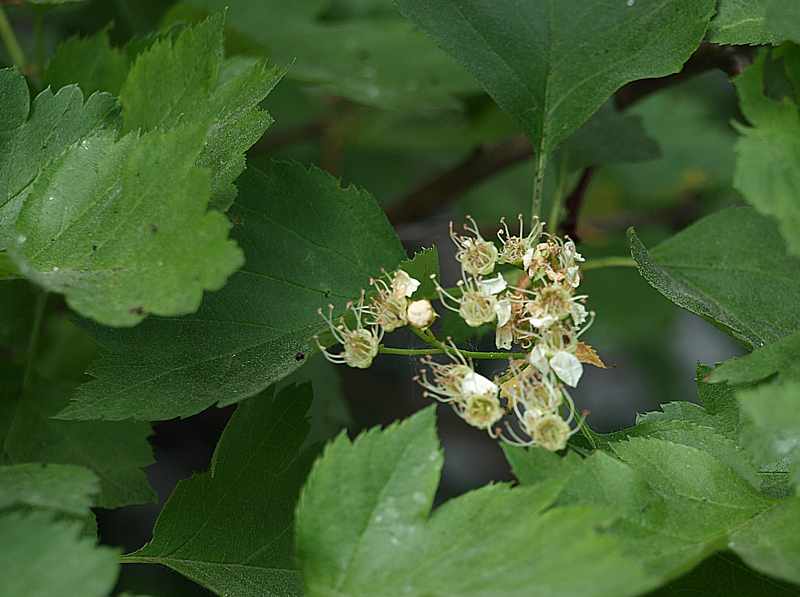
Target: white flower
point(477, 256)
point(404, 285)
point(360, 344)
point(567, 366)
point(474, 306)
point(549, 431)
point(420, 314)
point(481, 411)
point(502, 310)
point(514, 248)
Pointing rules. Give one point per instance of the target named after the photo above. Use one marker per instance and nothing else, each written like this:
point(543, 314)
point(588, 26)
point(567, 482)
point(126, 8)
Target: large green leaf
point(58, 487)
point(768, 153)
point(741, 22)
point(42, 558)
point(230, 529)
point(710, 269)
point(553, 63)
point(376, 61)
point(196, 85)
point(378, 537)
point(33, 135)
point(106, 227)
point(308, 242)
point(784, 19)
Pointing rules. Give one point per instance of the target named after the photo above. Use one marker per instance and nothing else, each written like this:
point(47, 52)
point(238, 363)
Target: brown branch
point(486, 161)
point(482, 163)
point(573, 204)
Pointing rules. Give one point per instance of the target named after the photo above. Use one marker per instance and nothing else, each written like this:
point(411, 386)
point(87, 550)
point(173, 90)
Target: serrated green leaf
point(526, 56)
point(126, 240)
point(710, 269)
point(781, 357)
point(375, 61)
point(31, 136)
point(115, 451)
point(771, 425)
point(536, 465)
point(56, 487)
point(89, 62)
point(741, 22)
point(784, 19)
point(771, 542)
point(230, 529)
point(42, 558)
point(194, 87)
point(768, 153)
point(379, 538)
point(309, 244)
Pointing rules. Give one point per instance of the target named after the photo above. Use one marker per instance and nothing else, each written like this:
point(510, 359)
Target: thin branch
point(573, 204)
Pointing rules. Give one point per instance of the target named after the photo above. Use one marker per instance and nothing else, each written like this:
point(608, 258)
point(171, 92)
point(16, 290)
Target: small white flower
point(474, 306)
point(515, 247)
point(567, 366)
point(550, 432)
point(492, 286)
point(481, 411)
point(360, 344)
point(420, 314)
point(404, 285)
point(477, 256)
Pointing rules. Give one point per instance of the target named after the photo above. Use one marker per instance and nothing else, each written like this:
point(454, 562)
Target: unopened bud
point(420, 314)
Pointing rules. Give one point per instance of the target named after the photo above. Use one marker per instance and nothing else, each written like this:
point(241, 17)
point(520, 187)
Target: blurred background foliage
point(378, 104)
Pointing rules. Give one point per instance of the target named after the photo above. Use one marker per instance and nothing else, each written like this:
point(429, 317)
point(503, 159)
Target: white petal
point(504, 338)
point(475, 384)
point(574, 276)
point(545, 321)
point(492, 286)
point(538, 359)
point(527, 258)
point(502, 309)
point(567, 366)
point(403, 284)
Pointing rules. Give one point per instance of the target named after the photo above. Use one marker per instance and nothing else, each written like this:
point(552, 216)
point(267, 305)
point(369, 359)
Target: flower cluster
point(541, 312)
point(388, 309)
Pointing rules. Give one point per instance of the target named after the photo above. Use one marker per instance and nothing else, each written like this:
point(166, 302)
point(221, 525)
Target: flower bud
point(420, 313)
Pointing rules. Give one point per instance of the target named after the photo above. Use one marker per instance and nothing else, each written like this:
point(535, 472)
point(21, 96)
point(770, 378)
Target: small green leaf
point(31, 136)
point(742, 22)
point(710, 269)
point(768, 153)
point(312, 243)
point(104, 226)
point(90, 62)
point(42, 558)
point(196, 86)
point(57, 487)
point(552, 64)
point(230, 529)
point(379, 538)
point(771, 542)
point(781, 357)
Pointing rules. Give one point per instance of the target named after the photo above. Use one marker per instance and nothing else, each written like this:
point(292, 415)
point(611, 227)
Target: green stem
point(603, 262)
point(540, 166)
point(558, 200)
point(10, 41)
point(479, 355)
point(33, 342)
